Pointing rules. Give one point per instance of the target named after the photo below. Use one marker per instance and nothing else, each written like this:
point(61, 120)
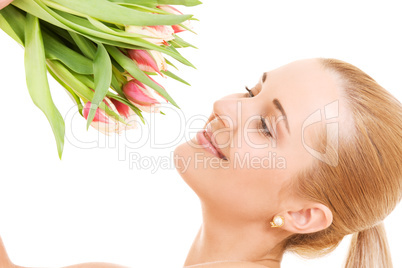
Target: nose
point(228, 109)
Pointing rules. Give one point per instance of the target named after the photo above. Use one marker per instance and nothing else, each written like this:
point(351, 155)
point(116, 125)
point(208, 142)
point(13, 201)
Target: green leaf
point(70, 92)
point(41, 11)
point(116, 85)
point(85, 45)
point(175, 77)
point(142, 8)
point(103, 78)
point(112, 30)
point(69, 79)
point(86, 80)
point(8, 29)
point(160, 2)
point(113, 38)
point(181, 42)
point(179, 2)
point(79, 87)
point(173, 51)
point(62, 35)
point(129, 65)
point(13, 23)
point(171, 64)
point(111, 12)
point(85, 28)
point(36, 75)
point(34, 8)
point(73, 60)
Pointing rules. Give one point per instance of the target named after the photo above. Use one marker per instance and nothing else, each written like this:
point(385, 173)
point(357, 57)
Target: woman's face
point(249, 183)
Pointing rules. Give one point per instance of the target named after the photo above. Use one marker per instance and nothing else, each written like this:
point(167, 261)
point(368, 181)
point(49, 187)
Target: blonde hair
point(366, 184)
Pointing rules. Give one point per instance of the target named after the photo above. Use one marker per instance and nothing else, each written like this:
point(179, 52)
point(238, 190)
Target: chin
point(184, 158)
point(184, 163)
point(191, 162)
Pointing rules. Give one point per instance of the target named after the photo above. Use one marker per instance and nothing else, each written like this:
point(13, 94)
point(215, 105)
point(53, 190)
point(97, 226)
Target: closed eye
point(264, 127)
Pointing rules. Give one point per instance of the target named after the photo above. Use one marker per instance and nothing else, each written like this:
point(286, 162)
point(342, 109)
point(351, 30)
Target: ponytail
point(369, 249)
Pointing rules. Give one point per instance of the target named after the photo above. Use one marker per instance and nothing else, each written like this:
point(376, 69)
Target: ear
point(312, 218)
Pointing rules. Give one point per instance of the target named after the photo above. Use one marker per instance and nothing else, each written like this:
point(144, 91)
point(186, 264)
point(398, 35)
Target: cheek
point(254, 151)
point(249, 194)
point(247, 187)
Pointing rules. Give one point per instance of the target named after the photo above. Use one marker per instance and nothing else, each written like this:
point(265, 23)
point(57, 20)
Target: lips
point(210, 137)
point(205, 139)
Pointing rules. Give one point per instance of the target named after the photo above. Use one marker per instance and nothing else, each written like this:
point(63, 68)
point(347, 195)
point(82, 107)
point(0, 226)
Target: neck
point(219, 239)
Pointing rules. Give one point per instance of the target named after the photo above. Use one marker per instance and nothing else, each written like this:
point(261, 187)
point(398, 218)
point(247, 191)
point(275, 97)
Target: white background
point(93, 206)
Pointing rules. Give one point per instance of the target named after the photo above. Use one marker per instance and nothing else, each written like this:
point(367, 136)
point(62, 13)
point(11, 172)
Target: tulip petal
point(157, 34)
point(138, 94)
point(144, 60)
point(133, 69)
point(177, 29)
point(127, 113)
point(123, 109)
point(154, 108)
point(160, 61)
point(98, 117)
point(133, 108)
point(169, 9)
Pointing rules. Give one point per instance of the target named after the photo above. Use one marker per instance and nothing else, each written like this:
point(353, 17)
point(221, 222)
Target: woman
point(295, 163)
point(337, 138)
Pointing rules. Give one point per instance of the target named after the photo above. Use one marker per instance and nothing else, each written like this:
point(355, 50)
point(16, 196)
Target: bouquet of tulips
point(103, 52)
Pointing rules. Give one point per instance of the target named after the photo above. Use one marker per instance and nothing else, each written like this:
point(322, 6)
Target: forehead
point(303, 87)
point(309, 94)
point(303, 77)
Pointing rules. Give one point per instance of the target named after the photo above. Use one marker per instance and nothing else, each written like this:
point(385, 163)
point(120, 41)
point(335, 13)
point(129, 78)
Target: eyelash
point(264, 127)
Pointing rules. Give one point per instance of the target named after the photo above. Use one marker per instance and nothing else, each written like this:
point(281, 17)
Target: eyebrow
point(277, 104)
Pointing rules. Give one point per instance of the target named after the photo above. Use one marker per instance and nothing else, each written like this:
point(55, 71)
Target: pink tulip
point(100, 116)
point(128, 115)
point(158, 34)
point(129, 77)
point(148, 61)
point(105, 123)
point(140, 95)
point(170, 9)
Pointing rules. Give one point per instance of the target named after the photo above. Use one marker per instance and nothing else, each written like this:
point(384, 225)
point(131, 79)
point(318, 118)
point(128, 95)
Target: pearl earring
point(278, 221)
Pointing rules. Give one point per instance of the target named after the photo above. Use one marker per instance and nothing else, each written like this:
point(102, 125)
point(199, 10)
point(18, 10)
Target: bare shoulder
point(233, 265)
point(95, 265)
